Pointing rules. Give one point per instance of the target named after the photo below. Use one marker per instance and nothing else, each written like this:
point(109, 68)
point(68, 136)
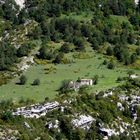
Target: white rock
point(20, 3)
point(83, 121)
point(136, 2)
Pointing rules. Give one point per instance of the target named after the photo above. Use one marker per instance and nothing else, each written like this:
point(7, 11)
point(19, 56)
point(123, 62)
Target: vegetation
point(51, 76)
point(23, 80)
point(78, 38)
point(108, 27)
point(103, 109)
point(36, 82)
point(7, 56)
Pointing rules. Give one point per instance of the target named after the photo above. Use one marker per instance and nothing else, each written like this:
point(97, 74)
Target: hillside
point(81, 56)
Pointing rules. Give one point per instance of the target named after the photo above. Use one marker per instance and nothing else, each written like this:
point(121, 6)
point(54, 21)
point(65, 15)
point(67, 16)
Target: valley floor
point(51, 81)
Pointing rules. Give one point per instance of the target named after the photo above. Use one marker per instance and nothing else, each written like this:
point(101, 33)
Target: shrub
point(65, 48)
point(24, 50)
point(109, 51)
point(59, 58)
point(119, 79)
point(36, 82)
point(138, 51)
point(96, 77)
point(104, 62)
point(110, 66)
point(23, 80)
point(64, 88)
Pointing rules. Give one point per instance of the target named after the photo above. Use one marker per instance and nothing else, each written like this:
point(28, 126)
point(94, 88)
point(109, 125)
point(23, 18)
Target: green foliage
point(7, 55)
point(130, 72)
point(83, 90)
point(111, 65)
point(109, 51)
point(7, 116)
point(6, 104)
point(95, 79)
point(106, 116)
point(46, 53)
point(66, 48)
point(36, 82)
point(138, 51)
point(24, 50)
point(64, 88)
point(9, 13)
point(23, 80)
point(59, 58)
point(109, 25)
point(105, 62)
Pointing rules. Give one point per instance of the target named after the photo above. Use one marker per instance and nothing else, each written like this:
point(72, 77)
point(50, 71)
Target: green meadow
point(51, 76)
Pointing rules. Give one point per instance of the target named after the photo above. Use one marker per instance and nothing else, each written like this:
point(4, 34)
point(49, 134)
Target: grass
point(84, 16)
point(51, 81)
point(119, 19)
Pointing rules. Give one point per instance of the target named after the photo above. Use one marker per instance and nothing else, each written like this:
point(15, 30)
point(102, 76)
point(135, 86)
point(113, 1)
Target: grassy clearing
point(85, 16)
point(119, 19)
point(50, 81)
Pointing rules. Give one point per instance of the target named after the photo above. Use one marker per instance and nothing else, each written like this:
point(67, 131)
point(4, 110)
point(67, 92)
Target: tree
point(134, 20)
point(109, 51)
point(22, 16)
point(83, 89)
point(106, 116)
point(86, 30)
point(138, 51)
point(94, 44)
point(46, 52)
point(96, 77)
point(133, 58)
point(105, 62)
point(23, 50)
point(64, 88)
point(65, 48)
point(7, 116)
point(111, 65)
point(66, 126)
point(131, 38)
point(10, 9)
point(46, 29)
point(7, 55)
point(59, 58)
point(36, 82)
point(37, 32)
point(23, 80)
point(79, 43)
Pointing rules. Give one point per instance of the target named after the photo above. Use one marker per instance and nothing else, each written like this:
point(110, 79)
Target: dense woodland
point(100, 30)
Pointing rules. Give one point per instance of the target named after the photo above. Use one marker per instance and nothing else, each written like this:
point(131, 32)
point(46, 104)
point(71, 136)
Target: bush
point(138, 51)
point(64, 88)
point(96, 78)
point(24, 50)
point(59, 58)
point(119, 79)
point(109, 51)
point(106, 116)
point(65, 48)
point(110, 66)
point(36, 82)
point(104, 62)
point(23, 80)
point(7, 116)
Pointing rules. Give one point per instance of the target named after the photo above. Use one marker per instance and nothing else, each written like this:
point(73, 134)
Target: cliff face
point(136, 1)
